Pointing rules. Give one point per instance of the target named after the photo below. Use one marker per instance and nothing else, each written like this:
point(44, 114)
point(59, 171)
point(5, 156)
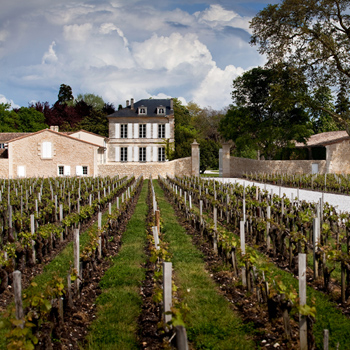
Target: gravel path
point(340, 202)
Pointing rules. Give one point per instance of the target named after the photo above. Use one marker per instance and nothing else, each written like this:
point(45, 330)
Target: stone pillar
point(195, 158)
point(226, 166)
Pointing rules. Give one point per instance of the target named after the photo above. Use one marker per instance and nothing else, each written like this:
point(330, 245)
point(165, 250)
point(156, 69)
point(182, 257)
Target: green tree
point(266, 114)
point(313, 36)
point(65, 94)
point(95, 122)
point(9, 120)
point(92, 100)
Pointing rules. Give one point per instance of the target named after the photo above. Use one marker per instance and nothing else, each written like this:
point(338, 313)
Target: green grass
point(119, 305)
point(210, 322)
point(59, 266)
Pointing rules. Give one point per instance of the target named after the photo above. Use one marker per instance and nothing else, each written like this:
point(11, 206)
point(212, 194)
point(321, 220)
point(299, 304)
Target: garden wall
point(178, 167)
point(240, 166)
point(4, 168)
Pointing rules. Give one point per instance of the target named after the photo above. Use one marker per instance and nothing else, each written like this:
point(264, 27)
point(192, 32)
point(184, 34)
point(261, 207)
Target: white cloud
point(3, 99)
point(76, 32)
point(50, 55)
point(215, 89)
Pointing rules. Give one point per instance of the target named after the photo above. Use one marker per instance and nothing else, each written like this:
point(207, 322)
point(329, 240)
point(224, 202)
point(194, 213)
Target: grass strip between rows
point(210, 322)
point(119, 305)
point(59, 266)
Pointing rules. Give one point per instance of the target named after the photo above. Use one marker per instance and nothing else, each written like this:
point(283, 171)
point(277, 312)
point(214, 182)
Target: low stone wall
point(178, 167)
point(4, 168)
point(240, 166)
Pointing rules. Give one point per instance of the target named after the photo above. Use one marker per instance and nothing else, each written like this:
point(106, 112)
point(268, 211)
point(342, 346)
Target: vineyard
point(123, 263)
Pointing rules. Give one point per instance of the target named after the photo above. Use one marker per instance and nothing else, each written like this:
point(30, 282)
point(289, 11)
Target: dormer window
point(143, 110)
point(161, 110)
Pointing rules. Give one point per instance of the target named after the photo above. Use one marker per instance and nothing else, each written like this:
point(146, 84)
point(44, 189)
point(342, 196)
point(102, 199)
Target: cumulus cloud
point(50, 55)
point(3, 99)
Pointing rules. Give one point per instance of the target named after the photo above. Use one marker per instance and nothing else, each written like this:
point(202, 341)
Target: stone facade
point(4, 168)
point(338, 157)
point(240, 166)
point(178, 167)
point(44, 152)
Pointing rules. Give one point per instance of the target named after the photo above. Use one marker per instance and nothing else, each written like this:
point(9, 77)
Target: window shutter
point(129, 153)
point(136, 154)
point(167, 131)
point(136, 130)
point(47, 150)
point(148, 130)
point(117, 131)
point(117, 154)
point(155, 153)
point(148, 154)
point(129, 131)
point(79, 170)
point(21, 171)
point(67, 170)
point(155, 130)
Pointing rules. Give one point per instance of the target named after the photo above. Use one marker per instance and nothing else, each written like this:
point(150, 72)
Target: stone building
point(141, 132)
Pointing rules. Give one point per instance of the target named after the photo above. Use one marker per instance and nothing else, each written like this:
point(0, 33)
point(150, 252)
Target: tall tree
point(92, 100)
point(266, 114)
point(65, 94)
point(311, 35)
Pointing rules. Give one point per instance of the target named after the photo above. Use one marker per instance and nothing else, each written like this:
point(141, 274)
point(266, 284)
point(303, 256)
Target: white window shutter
point(136, 154)
point(129, 153)
point(148, 130)
point(79, 170)
point(129, 130)
point(117, 154)
point(148, 153)
point(136, 130)
point(117, 131)
point(155, 130)
point(47, 150)
point(21, 171)
point(66, 170)
point(167, 131)
point(155, 153)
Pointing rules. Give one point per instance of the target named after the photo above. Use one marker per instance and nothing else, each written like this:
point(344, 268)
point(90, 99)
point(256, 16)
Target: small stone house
point(141, 131)
point(49, 153)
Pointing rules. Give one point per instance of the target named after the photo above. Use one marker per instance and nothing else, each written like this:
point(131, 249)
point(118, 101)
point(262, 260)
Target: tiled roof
point(325, 138)
point(151, 105)
point(7, 136)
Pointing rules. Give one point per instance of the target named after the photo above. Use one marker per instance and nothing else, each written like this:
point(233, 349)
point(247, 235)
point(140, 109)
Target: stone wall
point(240, 166)
point(4, 168)
point(338, 157)
point(178, 167)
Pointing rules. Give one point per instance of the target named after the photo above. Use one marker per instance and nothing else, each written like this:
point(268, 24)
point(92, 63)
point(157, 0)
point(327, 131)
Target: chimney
point(171, 103)
point(54, 127)
point(127, 103)
point(132, 103)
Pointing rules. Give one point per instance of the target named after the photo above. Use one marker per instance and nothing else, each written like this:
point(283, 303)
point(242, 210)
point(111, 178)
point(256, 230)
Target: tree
point(65, 94)
point(95, 122)
point(92, 100)
point(313, 36)
point(267, 114)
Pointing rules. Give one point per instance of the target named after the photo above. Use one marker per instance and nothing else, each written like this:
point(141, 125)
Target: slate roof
point(325, 138)
point(151, 105)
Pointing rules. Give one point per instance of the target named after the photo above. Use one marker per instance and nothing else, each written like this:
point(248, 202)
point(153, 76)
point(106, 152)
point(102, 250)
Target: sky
point(122, 49)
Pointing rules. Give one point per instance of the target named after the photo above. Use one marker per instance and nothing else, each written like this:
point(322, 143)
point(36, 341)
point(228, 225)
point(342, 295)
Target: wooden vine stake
point(76, 257)
point(268, 238)
point(157, 217)
point(181, 338)
point(155, 236)
point(316, 231)
point(32, 230)
point(302, 301)
point(242, 238)
point(326, 339)
point(167, 290)
point(17, 290)
point(99, 225)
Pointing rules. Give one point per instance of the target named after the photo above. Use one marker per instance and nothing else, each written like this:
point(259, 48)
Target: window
point(142, 131)
point(2, 145)
point(85, 170)
point(123, 154)
point(123, 131)
point(60, 170)
point(161, 154)
point(142, 110)
point(82, 170)
point(161, 110)
point(142, 154)
point(161, 131)
point(46, 150)
point(21, 171)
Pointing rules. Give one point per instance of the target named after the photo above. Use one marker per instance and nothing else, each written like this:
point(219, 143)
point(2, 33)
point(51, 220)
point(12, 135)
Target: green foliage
point(95, 122)
point(95, 101)
point(65, 94)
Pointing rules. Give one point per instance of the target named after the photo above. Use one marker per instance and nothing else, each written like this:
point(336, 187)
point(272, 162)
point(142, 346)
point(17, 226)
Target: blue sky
point(122, 49)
